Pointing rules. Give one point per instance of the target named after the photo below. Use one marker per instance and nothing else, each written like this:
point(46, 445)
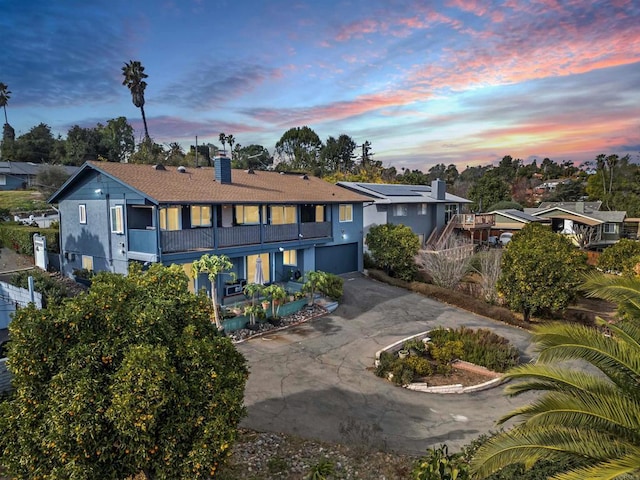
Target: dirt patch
point(464, 377)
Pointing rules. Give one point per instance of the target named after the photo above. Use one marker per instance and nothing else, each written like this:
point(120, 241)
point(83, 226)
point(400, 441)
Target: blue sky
point(458, 81)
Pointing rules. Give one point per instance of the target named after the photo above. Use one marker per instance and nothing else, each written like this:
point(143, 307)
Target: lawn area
point(22, 201)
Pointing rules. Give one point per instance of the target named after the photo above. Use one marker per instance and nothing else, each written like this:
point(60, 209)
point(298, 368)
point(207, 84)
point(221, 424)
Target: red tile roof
point(198, 185)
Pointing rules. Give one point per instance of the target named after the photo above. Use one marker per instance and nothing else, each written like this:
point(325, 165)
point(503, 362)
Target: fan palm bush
point(586, 419)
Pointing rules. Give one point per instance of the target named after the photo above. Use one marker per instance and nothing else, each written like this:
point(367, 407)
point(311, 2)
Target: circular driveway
point(316, 380)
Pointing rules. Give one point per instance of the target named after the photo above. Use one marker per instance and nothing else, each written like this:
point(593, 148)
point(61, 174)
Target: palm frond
point(543, 377)
point(615, 414)
point(577, 447)
point(621, 468)
point(623, 291)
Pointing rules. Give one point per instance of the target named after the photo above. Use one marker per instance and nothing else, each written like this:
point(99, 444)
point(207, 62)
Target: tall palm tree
point(231, 141)
point(5, 95)
point(134, 76)
point(587, 420)
point(223, 140)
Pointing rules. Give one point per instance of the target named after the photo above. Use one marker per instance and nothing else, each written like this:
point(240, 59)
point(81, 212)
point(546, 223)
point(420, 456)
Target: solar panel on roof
point(396, 190)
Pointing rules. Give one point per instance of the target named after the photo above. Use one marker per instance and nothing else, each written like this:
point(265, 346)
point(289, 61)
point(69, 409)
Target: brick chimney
point(222, 167)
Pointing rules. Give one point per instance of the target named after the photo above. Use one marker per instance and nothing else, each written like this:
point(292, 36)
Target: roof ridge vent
point(159, 166)
point(182, 169)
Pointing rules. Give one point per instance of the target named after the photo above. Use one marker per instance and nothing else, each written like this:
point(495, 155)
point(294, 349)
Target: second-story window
point(169, 218)
point(82, 213)
point(117, 220)
point(400, 210)
point(283, 214)
point(610, 228)
point(247, 214)
point(346, 212)
point(200, 216)
point(422, 209)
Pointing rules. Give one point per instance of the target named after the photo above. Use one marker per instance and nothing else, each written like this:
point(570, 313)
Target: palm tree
point(231, 141)
point(5, 95)
point(134, 76)
point(223, 140)
point(587, 420)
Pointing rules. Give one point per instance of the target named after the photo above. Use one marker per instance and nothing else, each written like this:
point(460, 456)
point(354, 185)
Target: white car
point(505, 238)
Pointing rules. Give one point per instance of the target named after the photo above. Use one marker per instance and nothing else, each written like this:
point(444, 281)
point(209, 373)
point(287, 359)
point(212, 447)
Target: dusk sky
point(457, 81)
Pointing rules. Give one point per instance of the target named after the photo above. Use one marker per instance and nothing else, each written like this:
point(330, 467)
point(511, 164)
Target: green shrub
point(20, 237)
point(621, 257)
point(445, 353)
point(321, 470)
point(332, 287)
point(402, 372)
point(481, 347)
point(420, 365)
point(52, 290)
point(415, 344)
point(386, 361)
point(368, 261)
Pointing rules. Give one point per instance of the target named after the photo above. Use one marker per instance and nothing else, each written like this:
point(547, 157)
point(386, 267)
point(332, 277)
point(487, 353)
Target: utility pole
point(196, 151)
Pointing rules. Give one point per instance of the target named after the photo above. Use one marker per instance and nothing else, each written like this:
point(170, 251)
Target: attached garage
point(337, 259)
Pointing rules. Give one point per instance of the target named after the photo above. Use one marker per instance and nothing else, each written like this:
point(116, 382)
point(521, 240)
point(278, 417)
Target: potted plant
point(83, 276)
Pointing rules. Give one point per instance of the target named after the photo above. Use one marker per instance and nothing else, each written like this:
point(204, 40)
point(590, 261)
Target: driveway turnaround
point(316, 380)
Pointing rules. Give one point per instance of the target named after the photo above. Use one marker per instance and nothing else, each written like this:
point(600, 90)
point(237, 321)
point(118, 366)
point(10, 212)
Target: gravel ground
point(266, 456)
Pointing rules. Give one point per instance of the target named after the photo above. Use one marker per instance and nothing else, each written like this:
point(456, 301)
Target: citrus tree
point(621, 258)
point(130, 378)
point(541, 271)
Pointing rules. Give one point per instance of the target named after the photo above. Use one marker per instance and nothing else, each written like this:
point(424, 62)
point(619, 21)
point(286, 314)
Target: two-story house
point(423, 208)
point(112, 214)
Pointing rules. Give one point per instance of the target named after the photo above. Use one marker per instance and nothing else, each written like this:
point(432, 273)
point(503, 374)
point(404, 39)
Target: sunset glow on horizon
point(459, 81)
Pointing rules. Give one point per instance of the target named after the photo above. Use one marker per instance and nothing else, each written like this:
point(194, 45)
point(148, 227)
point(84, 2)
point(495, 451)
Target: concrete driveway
point(316, 380)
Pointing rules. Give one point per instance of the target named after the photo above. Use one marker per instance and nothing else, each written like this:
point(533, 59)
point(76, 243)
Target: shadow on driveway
point(317, 381)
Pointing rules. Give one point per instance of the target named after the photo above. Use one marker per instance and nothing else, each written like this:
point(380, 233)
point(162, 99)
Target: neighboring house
point(21, 175)
point(423, 208)
point(512, 220)
point(551, 185)
point(584, 222)
point(113, 214)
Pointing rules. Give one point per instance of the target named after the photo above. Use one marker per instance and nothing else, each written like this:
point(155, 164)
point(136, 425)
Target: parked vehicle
point(505, 238)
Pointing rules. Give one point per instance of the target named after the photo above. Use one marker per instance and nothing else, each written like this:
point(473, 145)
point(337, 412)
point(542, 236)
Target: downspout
point(156, 218)
point(60, 253)
point(110, 257)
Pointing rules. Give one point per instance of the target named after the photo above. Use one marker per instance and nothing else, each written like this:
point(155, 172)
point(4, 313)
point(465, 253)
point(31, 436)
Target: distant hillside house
point(21, 175)
point(113, 214)
point(423, 208)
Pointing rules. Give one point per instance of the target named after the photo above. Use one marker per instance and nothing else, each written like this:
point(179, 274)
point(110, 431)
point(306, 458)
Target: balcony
point(238, 236)
point(472, 221)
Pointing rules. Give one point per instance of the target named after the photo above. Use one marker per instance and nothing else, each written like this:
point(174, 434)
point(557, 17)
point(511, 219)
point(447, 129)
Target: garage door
point(337, 259)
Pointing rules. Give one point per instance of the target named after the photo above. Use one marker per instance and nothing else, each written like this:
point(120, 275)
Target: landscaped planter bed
point(431, 365)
